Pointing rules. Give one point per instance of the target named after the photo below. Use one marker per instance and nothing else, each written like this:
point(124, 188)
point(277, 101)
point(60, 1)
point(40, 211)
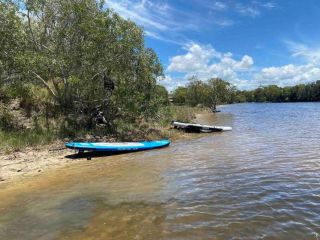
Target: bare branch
point(45, 84)
point(30, 28)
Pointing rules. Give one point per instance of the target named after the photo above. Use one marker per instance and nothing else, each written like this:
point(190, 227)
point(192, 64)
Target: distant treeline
point(299, 93)
point(71, 66)
point(217, 91)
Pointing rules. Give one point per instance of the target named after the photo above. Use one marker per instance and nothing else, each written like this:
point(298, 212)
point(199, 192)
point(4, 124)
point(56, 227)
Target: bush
point(7, 122)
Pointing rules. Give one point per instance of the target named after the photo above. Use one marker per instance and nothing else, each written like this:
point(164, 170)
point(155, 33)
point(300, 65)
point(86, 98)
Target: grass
point(17, 140)
point(185, 113)
point(157, 128)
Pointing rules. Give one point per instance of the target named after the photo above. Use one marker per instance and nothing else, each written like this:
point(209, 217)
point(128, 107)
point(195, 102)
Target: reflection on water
point(260, 181)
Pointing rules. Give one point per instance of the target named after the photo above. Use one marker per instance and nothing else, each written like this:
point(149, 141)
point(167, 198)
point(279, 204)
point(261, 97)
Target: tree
point(272, 93)
point(197, 92)
point(238, 96)
point(68, 46)
point(285, 96)
point(259, 95)
point(179, 95)
point(162, 95)
point(220, 92)
point(11, 41)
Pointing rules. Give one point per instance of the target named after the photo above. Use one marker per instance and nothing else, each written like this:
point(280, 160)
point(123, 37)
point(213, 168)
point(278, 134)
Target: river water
point(259, 181)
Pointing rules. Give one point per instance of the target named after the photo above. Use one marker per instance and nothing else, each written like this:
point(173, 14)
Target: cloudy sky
point(247, 42)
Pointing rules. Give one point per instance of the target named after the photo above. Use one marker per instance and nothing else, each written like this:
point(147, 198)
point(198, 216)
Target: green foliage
point(220, 92)
point(179, 96)
point(273, 93)
point(197, 92)
point(162, 95)
point(217, 91)
point(7, 122)
point(58, 57)
point(54, 54)
point(12, 40)
point(210, 93)
point(259, 95)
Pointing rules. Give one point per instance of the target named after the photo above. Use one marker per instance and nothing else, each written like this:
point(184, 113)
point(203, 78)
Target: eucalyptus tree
point(197, 92)
point(11, 41)
point(220, 92)
point(66, 47)
point(179, 95)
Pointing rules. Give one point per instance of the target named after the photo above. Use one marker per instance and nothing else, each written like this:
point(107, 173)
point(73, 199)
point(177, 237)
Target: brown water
point(260, 181)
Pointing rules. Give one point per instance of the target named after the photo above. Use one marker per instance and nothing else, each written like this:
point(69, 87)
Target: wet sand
point(31, 162)
point(246, 184)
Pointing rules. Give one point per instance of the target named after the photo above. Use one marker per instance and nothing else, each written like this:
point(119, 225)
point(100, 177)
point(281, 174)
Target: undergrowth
point(46, 133)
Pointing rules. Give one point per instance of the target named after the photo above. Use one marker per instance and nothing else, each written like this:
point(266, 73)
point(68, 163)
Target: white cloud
point(223, 22)
point(246, 62)
point(159, 19)
point(142, 12)
point(206, 62)
point(220, 6)
point(269, 5)
point(195, 59)
point(292, 74)
point(164, 39)
point(254, 8)
point(172, 82)
point(162, 21)
point(248, 11)
point(311, 55)
point(288, 75)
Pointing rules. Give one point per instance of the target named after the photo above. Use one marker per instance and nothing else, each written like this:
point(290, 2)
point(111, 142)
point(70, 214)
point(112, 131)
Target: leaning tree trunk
point(214, 103)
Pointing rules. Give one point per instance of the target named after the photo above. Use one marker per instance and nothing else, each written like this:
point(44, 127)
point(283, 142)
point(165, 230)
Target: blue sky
point(246, 42)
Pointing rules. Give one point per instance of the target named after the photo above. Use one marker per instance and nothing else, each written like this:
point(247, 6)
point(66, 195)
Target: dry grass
point(158, 128)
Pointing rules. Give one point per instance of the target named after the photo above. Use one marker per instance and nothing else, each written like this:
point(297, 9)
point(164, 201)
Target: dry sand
point(29, 162)
point(34, 161)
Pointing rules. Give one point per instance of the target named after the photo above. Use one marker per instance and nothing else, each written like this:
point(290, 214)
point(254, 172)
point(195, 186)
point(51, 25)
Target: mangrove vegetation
point(71, 68)
point(217, 91)
point(70, 64)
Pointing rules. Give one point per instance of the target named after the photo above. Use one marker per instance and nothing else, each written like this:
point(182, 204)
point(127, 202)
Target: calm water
point(260, 181)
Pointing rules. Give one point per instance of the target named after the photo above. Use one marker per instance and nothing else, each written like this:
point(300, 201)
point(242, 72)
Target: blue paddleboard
point(117, 146)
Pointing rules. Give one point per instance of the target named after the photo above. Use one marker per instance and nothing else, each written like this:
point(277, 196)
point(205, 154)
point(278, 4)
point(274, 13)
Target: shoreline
point(34, 161)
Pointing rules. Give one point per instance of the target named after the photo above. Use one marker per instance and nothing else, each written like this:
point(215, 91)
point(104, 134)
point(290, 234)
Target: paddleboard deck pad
point(117, 146)
point(192, 127)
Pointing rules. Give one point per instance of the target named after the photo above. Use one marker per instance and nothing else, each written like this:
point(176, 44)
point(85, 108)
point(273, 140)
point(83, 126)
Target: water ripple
point(260, 181)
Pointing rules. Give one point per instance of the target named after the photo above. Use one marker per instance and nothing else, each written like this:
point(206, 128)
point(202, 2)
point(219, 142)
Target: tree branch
point(97, 74)
point(45, 84)
point(30, 28)
point(116, 57)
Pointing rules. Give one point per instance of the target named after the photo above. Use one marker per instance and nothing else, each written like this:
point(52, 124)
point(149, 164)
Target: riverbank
point(33, 161)
point(223, 180)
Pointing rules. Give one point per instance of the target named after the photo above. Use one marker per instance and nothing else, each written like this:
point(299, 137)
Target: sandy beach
point(33, 161)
